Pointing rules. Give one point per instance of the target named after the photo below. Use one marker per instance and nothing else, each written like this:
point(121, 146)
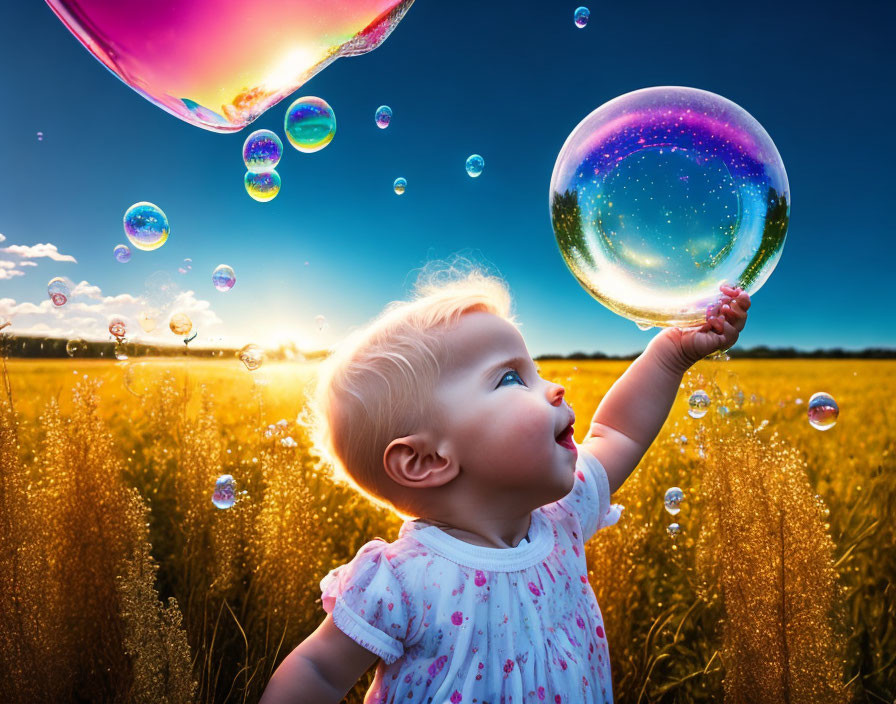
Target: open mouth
point(565, 438)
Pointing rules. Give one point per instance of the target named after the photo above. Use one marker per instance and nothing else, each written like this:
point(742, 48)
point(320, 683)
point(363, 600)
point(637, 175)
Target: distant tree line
point(758, 352)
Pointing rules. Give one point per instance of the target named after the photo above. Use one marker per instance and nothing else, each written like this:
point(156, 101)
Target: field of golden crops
point(121, 581)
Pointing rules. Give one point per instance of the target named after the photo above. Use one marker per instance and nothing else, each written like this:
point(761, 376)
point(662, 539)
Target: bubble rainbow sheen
point(660, 195)
point(310, 124)
point(223, 277)
point(262, 151)
point(59, 291)
point(227, 62)
point(383, 116)
point(146, 226)
point(122, 253)
point(264, 186)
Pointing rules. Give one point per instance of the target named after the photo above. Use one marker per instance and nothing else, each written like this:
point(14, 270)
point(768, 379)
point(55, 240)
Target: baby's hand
point(724, 321)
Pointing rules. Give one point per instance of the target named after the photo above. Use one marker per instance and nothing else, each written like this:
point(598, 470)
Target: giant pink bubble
point(219, 64)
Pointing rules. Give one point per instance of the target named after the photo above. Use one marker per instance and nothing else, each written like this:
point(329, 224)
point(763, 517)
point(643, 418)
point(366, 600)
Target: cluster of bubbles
point(672, 501)
point(661, 194)
point(475, 164)
point(822, 410)
point(146, 226)
point(252, 356)
point(383, 116)
point(223, 277)
point(122, 253)
point(59, 291)
point(581, 16)
point(262, 151)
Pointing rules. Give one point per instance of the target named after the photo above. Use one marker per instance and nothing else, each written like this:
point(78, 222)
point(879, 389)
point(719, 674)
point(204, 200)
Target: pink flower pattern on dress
point(409, 606)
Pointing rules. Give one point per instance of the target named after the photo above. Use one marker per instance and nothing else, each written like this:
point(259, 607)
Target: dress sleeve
point(367, 601)
point(590, 495)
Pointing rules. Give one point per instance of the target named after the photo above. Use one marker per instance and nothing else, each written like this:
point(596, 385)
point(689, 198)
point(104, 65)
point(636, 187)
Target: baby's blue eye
point(512, 376)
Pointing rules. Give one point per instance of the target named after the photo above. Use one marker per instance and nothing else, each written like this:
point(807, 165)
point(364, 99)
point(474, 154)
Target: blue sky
point(506, 80)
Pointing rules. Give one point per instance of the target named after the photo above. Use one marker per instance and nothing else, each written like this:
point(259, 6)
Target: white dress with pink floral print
point(456, 622)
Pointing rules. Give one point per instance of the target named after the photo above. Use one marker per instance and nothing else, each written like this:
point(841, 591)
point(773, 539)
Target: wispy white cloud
point(88, 312)
point(27, 263)
point(9, 273)
point(39, 250)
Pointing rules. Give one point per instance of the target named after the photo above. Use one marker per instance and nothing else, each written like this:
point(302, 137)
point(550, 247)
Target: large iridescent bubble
point(662, 194)
point(262, 151)
point(146, 226)
point(310, 124)
point(219, 64)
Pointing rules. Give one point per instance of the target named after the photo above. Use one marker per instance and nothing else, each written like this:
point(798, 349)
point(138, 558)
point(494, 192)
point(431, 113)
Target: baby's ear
point(414, 461)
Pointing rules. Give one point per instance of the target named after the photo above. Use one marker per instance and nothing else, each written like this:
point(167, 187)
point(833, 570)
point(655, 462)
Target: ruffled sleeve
point(590, 496)
point(367, 602)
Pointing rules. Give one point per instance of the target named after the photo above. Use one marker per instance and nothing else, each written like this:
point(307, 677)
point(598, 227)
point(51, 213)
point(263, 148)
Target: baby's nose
point(555, 394)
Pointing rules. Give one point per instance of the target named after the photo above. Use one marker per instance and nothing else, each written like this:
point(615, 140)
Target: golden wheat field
point(120, 581)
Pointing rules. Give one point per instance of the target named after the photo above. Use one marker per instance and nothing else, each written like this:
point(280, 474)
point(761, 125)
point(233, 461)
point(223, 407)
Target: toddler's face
point(505, 425)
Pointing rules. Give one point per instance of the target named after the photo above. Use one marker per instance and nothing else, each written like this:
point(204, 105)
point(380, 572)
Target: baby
point(437, 410)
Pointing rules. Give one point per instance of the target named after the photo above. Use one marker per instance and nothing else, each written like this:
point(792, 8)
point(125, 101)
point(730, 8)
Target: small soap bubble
point(698, 404)
point(581, 16)
point(475, 165)
point(223, 277)
point(122, 253)
point(180, 324)
point(118, 328)
point(252, 356)
point(147, 320)
point(673, 529)
point(799, 402)
point(739, 398)
point(146, 226)
point(400, 185)
point(120, 352)
point(224, 495)
point(40, 136)
point(262, 151)
point(186, 267)
point(672, 500)
point(722, 410)
point(823, 411)
point(383, 116)
point(75, 348)
point(310, 124)
point(59, 291)
point(264, 186)
point(321, 323)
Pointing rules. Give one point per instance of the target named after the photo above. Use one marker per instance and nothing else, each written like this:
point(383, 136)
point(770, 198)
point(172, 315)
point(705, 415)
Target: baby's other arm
point(322, 668)
point(636, 406)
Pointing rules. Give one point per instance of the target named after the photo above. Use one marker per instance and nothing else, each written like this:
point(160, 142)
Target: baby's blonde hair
point(378, 384)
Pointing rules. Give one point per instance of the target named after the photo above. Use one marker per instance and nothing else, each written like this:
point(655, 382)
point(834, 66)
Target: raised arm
point(323, 667)
point(636, 406)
